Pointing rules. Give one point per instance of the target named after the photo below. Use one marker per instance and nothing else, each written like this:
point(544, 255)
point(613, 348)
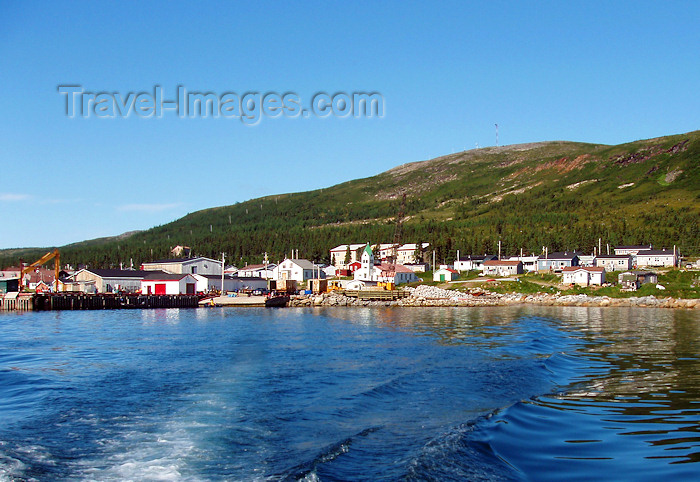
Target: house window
point(194, 270)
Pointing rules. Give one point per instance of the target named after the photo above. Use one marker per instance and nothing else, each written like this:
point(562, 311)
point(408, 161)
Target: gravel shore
point(433, 296)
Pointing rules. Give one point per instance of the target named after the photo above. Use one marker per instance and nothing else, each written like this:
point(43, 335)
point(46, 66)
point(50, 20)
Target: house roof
point(477, 257)
point(255, 267)
point(447, 269)
point(344, 247)
point(397, 268)
point(302, 263)
point(160, 276)
point(503, 262)
point(656, 252)
point(614, 256)
point(181, 260)
point(592, 269)
point(214, 276)
point(560, 255)
point(118, 273)
point(412, 246)
point(643, 246)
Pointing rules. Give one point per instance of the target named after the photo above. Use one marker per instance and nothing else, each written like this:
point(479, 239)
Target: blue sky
point(602, 72)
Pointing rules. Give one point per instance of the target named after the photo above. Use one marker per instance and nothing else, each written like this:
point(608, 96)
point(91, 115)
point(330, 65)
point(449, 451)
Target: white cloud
point(8, 196)
point(150, 208)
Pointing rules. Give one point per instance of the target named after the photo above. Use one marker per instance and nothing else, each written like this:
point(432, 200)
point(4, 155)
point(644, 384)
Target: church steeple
point(367, 257)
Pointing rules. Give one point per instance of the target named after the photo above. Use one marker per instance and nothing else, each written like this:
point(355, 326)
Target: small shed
point(168, 284)
point(633, 280)
point(445, 274)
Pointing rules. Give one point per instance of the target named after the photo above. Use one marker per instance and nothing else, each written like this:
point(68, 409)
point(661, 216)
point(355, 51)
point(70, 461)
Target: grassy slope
point(561, 194)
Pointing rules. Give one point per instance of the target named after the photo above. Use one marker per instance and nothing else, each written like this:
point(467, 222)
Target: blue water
point(516, 393)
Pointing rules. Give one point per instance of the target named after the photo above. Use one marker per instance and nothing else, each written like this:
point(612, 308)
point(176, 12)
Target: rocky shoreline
point(432, 296)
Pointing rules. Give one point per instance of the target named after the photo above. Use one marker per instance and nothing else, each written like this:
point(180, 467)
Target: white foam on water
point(10, 467)
point(176, 446)
point(146, 451)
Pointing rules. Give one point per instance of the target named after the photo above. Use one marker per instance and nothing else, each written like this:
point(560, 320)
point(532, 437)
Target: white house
point(529, 262)
point(502, 268)
point(185, 266)
point(445, 274)
point(406, 254)
point(583, 275)
point(614, 262)
point(160, 283)
point(339, 252)
point(469, 263)
point(297, 270)
point(258, 271)
point(657, 257)
point(633, 250)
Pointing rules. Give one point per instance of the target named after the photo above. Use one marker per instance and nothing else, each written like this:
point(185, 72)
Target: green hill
point(563, 195)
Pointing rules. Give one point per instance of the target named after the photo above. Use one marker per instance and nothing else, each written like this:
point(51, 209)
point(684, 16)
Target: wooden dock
point(377, 295)
point(80, 301)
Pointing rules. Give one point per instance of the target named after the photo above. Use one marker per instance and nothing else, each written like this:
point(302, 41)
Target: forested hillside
point(563, 195)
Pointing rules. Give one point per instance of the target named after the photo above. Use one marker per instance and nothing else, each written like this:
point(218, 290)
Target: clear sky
point(601, 72)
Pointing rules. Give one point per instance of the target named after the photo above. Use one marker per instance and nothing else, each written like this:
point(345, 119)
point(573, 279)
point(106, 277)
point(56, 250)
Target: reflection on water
point(500, 393)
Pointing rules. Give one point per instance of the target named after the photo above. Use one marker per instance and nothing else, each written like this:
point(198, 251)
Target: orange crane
point(55, 255)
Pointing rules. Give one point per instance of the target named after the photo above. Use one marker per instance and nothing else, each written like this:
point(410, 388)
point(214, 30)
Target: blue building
point(557, 261)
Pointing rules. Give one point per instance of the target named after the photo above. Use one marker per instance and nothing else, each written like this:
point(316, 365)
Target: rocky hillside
point(563, 195)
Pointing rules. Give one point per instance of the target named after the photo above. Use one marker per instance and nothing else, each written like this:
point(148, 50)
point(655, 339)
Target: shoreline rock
point(431, 296)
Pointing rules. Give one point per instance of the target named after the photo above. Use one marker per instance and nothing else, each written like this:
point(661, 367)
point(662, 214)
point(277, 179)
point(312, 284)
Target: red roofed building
point(395, 273)
point(445, 274)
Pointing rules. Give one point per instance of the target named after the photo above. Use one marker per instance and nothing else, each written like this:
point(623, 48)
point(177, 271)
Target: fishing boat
point(277, 301)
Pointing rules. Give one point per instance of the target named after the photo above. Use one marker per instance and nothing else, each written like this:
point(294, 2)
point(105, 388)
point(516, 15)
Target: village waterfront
point(518, 392)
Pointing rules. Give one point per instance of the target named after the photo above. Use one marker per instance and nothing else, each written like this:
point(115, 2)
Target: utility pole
point(496, 135)
point(223, 260)
point(499, 250)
